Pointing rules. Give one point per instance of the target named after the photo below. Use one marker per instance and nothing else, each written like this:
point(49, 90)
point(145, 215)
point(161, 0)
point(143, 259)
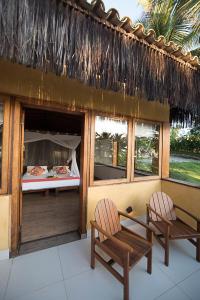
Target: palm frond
point(177, 20)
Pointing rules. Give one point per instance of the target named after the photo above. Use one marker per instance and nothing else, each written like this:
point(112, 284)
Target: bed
point(36, 183)
point(39, 156)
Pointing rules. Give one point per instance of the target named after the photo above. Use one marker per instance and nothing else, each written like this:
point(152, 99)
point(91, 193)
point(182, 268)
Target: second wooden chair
point(161, 213)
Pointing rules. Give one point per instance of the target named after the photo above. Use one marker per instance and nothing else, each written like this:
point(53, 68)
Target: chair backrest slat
point(163, 205)
point(106, 216)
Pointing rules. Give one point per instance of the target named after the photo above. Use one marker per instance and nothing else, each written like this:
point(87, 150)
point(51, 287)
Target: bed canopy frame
point(70, 142)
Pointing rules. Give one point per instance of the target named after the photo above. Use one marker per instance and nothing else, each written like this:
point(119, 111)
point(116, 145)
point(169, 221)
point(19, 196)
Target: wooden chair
point(161, 213)
point(121, 244)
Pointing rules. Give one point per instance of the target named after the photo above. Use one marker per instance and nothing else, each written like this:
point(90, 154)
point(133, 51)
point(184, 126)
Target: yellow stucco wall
point(184, 196)
point(17, 80)
point(135, 194)
point(21, 81)
point(4, 222)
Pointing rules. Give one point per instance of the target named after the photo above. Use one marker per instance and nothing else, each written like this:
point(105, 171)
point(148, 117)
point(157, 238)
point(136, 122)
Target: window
point(185, 154)
point(110, 149)
point(1, 139)
point(147, 139)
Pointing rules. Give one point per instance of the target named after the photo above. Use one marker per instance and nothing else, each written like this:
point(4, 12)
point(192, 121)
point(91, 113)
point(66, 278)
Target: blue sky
point(129, 8)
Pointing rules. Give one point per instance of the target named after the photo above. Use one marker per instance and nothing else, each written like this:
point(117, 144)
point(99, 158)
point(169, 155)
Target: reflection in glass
point(1, 138)
point(146, 149)
point(110, 159)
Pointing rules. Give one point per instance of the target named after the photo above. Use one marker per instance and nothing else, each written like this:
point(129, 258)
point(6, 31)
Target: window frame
point(130, 178)
point(5, 144)
point(146, 178)
point(92, 152)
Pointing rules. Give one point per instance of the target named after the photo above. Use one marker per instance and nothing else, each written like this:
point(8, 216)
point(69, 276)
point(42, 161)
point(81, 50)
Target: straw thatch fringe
point(58, 38)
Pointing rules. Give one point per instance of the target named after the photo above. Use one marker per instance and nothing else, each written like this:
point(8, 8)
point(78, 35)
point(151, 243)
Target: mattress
point(31, 183)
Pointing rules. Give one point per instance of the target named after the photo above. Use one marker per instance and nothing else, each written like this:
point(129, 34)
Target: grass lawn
point(186, 171)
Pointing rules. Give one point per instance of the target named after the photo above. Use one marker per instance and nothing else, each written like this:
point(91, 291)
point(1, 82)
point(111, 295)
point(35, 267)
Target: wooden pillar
point(165, 150)
point(16, 143)
point(85, 149)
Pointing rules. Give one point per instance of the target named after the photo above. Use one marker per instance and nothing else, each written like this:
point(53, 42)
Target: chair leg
point(92, 264)
point(126, 277)
point(167, 251)
point(147, 216)
point(149, 262)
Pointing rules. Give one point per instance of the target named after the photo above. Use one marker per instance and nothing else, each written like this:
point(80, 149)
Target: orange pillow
point(37, 171)
point(62, 169)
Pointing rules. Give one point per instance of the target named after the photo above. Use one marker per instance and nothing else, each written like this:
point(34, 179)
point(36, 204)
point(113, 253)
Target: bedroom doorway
point(51, 179)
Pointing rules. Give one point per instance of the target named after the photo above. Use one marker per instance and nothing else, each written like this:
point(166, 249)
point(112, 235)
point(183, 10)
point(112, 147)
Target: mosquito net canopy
point(51, 149)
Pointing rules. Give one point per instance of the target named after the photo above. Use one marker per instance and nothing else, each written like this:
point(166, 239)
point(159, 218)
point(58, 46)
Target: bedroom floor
point(48, 216)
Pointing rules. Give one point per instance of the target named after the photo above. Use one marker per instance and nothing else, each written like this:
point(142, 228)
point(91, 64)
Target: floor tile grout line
point(185, 280)
point(62, 271)
point(37, 290)
point(188, 276)
point(182, 290)
point(176, 283)
point(9, 275)
point(175, 286)
point(78, 274)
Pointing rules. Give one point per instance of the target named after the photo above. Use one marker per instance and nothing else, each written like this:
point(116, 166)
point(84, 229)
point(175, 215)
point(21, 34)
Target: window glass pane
point(185, 153)
point(146, 149)
point(1, 137)
point(110, 159)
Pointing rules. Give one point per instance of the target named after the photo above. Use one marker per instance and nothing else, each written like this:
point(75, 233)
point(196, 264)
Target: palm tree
point(176, 20)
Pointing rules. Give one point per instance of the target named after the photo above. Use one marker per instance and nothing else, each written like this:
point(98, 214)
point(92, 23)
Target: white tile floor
point(63, 273)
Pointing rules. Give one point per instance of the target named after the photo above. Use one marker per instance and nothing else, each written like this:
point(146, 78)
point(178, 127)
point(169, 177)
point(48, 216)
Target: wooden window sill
point(116, 182)
point(188, 184)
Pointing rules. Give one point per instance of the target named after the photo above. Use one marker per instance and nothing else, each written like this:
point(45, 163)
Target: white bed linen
point(30, 183)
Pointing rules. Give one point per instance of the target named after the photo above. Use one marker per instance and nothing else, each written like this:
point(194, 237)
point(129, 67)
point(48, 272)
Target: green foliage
point(104, 148)
point(186, 145)
point(176, 20)
point(189, 143)
point(186, 171)
point(143, 166)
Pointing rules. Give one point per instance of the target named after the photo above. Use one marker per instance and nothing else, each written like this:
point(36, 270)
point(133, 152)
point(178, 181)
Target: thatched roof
point(112, 16)
point(80, 40)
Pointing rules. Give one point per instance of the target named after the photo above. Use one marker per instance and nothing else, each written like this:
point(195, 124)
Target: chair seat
point(179, 230)
point(140, 246)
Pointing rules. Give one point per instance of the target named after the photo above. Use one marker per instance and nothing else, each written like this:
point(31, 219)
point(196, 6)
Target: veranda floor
point(63, 273)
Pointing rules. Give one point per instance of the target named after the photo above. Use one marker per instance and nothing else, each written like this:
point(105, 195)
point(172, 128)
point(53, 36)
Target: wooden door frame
point(16, 143)
point(17, 112)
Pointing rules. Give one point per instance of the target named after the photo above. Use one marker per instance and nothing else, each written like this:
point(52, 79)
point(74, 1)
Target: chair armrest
point(135, 220)
point(158, 215)
point(187, 213)
point(123, 246)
